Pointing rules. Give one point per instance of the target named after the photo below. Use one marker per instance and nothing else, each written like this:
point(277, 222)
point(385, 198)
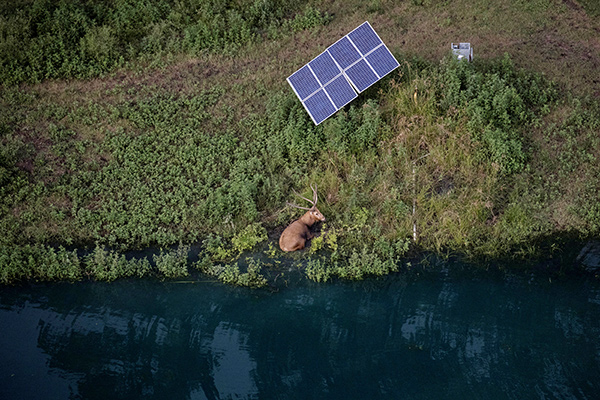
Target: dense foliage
point(84, 38)
point(483, 159)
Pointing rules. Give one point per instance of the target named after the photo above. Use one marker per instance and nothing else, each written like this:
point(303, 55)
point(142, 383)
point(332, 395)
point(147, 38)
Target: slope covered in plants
point(176, 145)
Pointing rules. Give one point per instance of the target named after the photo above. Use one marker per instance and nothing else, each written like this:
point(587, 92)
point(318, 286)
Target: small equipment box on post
point(463, 51)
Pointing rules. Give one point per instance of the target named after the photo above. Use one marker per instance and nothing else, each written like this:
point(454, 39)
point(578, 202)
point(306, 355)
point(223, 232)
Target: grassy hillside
point(136, 124)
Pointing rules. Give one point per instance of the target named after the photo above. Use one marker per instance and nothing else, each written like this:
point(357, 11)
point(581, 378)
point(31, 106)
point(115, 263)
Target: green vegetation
point(45, 39)
point(591, 7)
point(231, 274)
point(177, 142)
point(44, 263)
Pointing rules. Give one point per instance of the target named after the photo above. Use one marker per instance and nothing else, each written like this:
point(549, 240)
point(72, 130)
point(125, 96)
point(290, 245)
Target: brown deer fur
point(294, 237)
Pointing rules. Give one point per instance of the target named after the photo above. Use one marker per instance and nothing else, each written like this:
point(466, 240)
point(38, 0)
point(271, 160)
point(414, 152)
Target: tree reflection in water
point(437, 336)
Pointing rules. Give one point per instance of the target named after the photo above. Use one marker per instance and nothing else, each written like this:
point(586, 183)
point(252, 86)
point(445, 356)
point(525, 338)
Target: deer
point(294, 237)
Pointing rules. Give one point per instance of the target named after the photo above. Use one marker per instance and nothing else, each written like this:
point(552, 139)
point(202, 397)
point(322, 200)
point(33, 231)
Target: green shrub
point(231, 274)
point(59, 265)
point(310, 18)
point(216, 248)
point(38, 263)
point(249, 237)
point(499, 104)
point(105, 265)
point(109, 265)
point(319, 270)
point(78, 39)
point(374, 258)
point(252, 277)
point(172, 263)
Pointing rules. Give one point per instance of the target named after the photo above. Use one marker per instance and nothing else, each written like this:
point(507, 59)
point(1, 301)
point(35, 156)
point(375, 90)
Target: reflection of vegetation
point(162, 340)
point(147, 161)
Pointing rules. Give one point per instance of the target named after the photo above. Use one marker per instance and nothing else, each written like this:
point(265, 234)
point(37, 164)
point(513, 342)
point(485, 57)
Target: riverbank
point(487, 160)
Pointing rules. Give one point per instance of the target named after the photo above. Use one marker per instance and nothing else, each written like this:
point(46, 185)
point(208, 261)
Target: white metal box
point(463, 51)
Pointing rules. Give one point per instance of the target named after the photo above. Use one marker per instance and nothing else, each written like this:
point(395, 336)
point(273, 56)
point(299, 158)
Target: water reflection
point(438, 336)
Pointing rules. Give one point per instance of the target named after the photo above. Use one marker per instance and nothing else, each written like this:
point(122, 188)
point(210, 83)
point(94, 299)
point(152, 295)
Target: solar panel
point(361, 75)
point(344, 52)
point(304, 82)
point(319, 106)
point(364, 38)
point(325, 68)
point(333, 78)
point(340, 92)
point(382, 61)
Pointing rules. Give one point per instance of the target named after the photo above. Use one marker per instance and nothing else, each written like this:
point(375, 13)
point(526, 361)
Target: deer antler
point(296, 206)
point(315, 197)
point(313, 201)
point(302, 197)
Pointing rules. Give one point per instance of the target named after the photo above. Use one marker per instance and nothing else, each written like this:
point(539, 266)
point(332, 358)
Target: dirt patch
point(562, 41)
point(33, 140)
point(180, 77)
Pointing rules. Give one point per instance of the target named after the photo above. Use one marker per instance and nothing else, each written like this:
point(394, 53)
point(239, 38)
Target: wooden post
point(414, 213)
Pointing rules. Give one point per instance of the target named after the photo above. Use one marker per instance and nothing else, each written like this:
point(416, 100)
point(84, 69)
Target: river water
point(442, 334)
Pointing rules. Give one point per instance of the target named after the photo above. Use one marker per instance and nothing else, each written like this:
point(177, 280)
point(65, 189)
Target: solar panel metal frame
point(320, 75)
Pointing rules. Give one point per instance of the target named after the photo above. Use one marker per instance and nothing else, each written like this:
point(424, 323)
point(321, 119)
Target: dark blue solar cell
point(382, 61)
point(324, 68)
point(361, 75)
point(319, 107)
point(365, 38)
point(304, 82)
point(343, 52)
point(340, 92)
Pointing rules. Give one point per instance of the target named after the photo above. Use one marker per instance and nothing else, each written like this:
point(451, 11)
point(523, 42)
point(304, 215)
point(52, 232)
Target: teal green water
point(435, 335)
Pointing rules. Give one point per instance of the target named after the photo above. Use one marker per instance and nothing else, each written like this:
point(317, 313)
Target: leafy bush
point(109, 265)
point(310, 18)
point(231, 274)
point(173, 263)
point(357, 131)
point(376, 258)
point(249, 237)
point(79, 39)
point(38, 263)
point(216, 248)
point(498, 104)
point(318, 270)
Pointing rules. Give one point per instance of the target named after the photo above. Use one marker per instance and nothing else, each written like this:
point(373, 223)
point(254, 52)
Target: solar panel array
point(348, 67)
